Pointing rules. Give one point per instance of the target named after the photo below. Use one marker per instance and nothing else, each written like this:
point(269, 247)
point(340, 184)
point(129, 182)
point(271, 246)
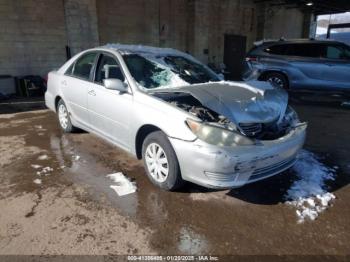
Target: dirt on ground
point(55, 198)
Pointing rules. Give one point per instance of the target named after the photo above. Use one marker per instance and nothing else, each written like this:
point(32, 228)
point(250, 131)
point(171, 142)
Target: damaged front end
point(233, 115)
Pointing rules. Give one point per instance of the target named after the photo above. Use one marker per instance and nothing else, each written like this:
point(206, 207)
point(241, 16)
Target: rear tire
point(277, 79)
point(160, 161)
point(64, 118)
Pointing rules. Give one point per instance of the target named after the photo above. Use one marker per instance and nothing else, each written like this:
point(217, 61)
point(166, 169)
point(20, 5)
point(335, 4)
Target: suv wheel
point(63, 117)
point(160, 161)
point(277, 79)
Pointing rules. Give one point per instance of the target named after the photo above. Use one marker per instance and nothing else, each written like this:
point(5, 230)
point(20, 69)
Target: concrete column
point(81, 24)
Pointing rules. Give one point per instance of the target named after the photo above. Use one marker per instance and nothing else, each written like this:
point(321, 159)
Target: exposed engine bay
point(188, 103)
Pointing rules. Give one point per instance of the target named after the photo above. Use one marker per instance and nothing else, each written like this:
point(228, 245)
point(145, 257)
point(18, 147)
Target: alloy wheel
point(63, 116)
point(157, 162)
point(276, 80)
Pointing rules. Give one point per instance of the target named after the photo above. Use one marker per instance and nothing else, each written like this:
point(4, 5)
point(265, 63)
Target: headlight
point(291, 116)
point(216, 135)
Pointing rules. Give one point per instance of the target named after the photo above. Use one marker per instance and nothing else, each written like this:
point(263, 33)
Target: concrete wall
point(81, 24)
point(187, 25)
point(150, 22)
point(128, 21)
point(214, 19)
point(34, 33)
point(281, 22)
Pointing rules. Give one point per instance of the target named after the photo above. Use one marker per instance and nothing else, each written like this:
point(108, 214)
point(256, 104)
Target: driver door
point(109, 110)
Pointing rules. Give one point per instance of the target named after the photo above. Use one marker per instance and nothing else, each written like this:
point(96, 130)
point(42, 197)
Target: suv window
point(108, 67)
point(305, 50)
point(297, 49)
point(82, 67)
point(276, 49)
point(336, 52)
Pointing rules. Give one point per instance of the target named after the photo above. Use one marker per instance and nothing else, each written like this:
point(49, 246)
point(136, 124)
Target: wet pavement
point(74, 210)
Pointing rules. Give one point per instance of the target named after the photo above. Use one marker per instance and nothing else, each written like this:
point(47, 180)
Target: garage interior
point(73, 211)
point(37, 35)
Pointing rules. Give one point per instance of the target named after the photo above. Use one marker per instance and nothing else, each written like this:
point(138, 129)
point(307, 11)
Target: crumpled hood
point(241, 102)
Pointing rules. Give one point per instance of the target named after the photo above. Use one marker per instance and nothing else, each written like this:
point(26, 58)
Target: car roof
point(144, 50)
point(295, 41)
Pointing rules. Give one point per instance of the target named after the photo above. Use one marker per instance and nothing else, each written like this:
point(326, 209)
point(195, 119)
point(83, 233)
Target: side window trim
point(72, 67)
point(101, 54)
point(94, 67)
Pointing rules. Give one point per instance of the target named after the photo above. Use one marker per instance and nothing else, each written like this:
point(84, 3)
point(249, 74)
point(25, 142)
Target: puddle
point(198, 222)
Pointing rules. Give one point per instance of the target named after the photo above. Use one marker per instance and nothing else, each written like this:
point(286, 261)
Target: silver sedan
point(181, 118)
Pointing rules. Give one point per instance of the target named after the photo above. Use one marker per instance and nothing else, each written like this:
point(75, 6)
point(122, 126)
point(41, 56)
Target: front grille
point(221, 177)
point(251, 129)
point(272, 169)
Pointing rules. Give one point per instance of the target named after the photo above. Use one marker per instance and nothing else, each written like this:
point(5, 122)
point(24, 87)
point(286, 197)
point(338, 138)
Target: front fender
point(153, 111)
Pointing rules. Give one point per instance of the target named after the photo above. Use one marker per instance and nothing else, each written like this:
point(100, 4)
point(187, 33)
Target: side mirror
point(115, 84)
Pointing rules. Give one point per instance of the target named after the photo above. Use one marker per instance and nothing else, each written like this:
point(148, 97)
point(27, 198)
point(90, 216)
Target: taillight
point(251, 59)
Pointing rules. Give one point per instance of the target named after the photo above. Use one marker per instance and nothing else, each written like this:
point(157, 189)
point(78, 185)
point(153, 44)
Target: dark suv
point(300, 64)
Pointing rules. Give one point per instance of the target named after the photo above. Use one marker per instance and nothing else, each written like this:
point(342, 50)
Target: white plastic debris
point(37, 181)
point(45, 171)
point(35, 166)
point(75, 157)
point(308, 194)
point(123, 185)
point(43, 157)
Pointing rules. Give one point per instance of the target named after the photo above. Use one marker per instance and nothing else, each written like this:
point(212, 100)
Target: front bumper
point(227, 167)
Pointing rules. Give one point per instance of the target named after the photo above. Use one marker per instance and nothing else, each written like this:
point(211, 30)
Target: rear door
point(74, 86)
point(336, 58)
point(306, 57)
point(110, 110)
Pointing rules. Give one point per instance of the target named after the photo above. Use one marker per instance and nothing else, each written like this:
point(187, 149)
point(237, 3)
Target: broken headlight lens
point(217, 135)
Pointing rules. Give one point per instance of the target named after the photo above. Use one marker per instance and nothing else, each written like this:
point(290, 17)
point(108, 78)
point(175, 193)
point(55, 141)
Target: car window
point(107, 68)
point(337, 52)
point(147, 73)
point(334, 52)
point(305, 50)
point(190, 71)
point(82, 67)
point(276, 49)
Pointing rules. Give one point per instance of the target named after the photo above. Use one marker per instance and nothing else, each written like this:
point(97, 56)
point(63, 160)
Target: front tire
point(160, 161)
point(64, 118)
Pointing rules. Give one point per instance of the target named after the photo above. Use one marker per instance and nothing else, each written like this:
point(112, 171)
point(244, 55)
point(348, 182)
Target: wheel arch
point(141, 134)
point(57, 99)
point(264, 74)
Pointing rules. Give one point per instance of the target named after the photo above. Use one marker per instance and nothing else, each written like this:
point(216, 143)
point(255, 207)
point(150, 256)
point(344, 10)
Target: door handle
point(92, 93)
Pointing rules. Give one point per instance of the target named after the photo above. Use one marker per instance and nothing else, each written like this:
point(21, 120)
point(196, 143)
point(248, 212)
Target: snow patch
point(123, 185)
point(75, 157)
point(37, 181)
point(45, 171)
point(35, 166)
point(308, 194)
point(43, 157)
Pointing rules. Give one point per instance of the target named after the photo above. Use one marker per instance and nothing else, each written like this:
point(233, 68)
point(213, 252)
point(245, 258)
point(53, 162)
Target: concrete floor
point(74, 211)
